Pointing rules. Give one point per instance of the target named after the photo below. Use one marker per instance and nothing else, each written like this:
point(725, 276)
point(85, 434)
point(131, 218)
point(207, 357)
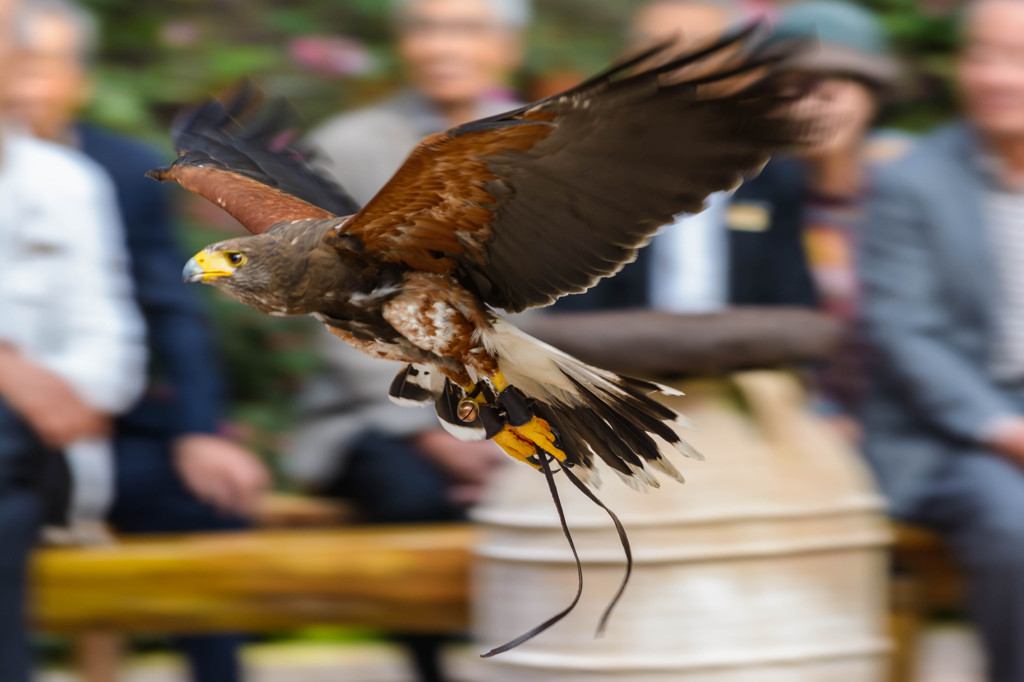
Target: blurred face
point(843, 109)
point(455, 50)
point(49, 83)
point(690, 22)
point(990, 70)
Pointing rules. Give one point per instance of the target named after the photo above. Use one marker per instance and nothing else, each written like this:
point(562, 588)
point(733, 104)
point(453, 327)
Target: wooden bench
point(924, 557)
point(412, 579)
point(925, 581)
point(288, 510)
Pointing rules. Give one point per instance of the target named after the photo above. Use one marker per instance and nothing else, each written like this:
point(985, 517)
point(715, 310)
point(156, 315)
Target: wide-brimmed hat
point(849, 40)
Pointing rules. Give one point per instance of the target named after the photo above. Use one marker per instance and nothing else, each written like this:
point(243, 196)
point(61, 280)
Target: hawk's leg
point(434, 313)
point(512, 425)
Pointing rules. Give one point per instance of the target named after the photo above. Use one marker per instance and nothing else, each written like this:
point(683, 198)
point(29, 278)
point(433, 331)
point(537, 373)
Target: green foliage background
point(146, 72)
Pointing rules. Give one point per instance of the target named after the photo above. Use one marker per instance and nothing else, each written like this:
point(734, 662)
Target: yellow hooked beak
point(205, 265)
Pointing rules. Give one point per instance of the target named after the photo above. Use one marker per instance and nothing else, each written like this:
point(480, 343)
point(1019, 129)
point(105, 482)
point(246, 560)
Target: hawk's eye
point(236, 258)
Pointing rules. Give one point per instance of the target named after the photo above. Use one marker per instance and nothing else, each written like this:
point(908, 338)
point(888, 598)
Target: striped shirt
point(1005, 219)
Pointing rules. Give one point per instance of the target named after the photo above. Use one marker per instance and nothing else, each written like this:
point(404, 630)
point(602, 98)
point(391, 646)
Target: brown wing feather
point(545, 200)
point(250, 202)
point(237, 156)
point(437, 202)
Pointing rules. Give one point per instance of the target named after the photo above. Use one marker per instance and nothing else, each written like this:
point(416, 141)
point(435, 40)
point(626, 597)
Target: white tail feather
point(548, 374)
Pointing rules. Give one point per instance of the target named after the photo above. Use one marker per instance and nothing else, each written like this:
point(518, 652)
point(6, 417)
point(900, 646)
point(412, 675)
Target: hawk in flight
point(505, 213)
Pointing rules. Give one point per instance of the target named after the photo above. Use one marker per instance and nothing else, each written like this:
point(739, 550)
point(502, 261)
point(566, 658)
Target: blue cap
point(850, 39)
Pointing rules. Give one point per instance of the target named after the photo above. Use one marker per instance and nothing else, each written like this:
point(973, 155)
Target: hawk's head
point(283, 271)
point(245, 269)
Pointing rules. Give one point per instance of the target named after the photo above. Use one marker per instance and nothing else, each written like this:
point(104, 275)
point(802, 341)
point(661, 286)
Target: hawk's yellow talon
point(515, 446)
point(539, 433)
point(522, 442)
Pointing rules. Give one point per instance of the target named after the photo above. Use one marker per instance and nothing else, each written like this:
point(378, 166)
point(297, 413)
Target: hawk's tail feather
point(594, 412)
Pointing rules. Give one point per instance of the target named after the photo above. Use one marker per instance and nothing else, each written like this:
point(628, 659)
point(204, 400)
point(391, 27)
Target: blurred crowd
point(112, 397)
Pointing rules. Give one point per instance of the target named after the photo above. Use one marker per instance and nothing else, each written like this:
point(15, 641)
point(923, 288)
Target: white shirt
point(66, 301)
point(689, 261)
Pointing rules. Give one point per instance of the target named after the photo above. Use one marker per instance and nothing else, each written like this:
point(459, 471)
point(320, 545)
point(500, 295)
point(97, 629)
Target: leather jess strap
point(545, 460)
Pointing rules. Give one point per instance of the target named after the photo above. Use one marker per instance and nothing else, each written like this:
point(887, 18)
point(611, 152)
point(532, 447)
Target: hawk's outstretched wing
point(245, 165)
point(543, 201)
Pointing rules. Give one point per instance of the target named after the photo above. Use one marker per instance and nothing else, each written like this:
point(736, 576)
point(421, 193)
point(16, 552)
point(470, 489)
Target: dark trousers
point(390, 482)
point(151, 498)
point(977, 501)
point(22, 459)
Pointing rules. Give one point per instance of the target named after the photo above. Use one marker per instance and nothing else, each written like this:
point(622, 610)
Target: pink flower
point(332, 54)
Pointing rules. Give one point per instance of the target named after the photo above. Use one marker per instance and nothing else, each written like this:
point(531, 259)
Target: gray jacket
point(930, 301)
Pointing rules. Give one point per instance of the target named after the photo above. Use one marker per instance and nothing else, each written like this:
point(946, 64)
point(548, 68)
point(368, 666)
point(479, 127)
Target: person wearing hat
point(744, 248)
point(747, 247)
point(856, 73)
point(942, 265)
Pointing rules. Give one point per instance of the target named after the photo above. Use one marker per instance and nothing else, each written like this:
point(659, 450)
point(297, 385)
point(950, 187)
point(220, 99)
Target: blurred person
point(395, 464)
point(687, 21)
point(72, 352)
point(174, 470)
point(941, 259)
point(745, 247)
point(856, 74)
point(456, 56)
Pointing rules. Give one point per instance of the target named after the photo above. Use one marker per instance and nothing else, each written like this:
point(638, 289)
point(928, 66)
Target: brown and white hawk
point(508, 212)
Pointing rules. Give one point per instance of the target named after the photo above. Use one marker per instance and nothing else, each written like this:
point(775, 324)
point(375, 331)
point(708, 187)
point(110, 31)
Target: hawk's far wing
point(544, 201)
point(245, 165)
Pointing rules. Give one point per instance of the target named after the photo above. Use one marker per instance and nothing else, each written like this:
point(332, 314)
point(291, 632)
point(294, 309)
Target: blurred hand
point(469, 464)
point(48, 403)
point(1008, 439)
point(221, 473)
